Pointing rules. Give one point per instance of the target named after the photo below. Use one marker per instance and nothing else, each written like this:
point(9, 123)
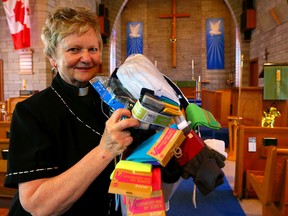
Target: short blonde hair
point(64, 21)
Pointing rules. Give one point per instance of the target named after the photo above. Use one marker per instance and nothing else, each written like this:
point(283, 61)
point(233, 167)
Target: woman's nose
point(85, 55)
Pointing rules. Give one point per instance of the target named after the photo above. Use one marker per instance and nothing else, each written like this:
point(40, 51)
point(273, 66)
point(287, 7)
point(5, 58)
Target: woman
point(62, 146)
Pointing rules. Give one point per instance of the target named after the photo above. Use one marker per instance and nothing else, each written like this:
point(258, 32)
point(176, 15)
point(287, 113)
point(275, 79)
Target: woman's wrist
point(104, 153)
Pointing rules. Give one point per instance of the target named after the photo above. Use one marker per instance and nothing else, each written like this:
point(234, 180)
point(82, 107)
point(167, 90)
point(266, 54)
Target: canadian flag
point(18, 17)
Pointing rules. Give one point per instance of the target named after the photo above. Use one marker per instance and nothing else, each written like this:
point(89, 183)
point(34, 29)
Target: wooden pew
point(4, 211)
point(6, 194)
point(254, 160)
point(11, 103)
point(271, 186)
point(4, 140)
point(4, 128)
point(218, 103)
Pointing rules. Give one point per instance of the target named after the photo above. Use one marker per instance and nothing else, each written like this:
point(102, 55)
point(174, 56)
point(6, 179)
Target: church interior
point(229, 57)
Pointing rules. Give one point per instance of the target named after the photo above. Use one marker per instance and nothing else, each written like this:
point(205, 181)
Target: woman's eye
point(74, 50)
point(93, 50)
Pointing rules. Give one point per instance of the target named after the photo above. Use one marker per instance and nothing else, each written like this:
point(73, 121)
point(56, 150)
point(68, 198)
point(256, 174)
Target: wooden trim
point(1, 81)
point(253, 71)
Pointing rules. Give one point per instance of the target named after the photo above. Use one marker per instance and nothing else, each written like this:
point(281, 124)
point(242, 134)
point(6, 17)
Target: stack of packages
point(174, 150)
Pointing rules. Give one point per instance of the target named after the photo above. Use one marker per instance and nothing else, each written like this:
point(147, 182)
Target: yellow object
point(131, 178)
point(166, 145)
point(136, 166)
point(172, 111)
point(168, 105)
point(268, 119)
point(132, 166)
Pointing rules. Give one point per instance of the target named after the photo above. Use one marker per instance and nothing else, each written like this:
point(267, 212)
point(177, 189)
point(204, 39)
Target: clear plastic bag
point(113, 93)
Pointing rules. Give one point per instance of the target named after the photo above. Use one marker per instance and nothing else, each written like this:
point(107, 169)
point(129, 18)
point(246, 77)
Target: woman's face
point(77, 58)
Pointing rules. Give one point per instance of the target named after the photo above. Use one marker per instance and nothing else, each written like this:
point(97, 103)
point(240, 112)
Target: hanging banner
point(215, 43)
point(18, 17)
point(134, 35)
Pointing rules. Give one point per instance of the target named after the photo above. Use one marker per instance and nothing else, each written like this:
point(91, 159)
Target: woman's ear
point(53, 62)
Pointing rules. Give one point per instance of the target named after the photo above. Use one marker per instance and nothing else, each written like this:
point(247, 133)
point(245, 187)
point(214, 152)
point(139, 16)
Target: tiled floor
point(251, 207)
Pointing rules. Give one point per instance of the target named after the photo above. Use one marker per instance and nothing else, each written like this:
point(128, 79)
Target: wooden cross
point(174, 15)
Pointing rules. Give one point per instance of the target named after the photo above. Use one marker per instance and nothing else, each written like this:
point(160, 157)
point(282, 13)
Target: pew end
point(6, 194)
point(271, 186)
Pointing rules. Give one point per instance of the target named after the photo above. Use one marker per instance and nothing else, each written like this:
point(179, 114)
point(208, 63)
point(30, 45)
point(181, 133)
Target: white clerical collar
point(83, 91)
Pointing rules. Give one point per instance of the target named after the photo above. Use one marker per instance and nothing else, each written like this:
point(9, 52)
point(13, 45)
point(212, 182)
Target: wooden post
point(173, 39)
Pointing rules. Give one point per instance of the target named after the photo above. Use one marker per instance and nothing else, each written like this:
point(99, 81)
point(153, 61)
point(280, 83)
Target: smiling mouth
point(84, 68)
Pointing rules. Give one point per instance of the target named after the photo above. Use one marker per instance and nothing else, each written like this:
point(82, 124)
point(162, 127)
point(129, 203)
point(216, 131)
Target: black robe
point(47, 139)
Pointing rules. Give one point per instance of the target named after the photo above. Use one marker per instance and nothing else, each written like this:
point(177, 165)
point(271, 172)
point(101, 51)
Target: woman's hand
point(116, 137)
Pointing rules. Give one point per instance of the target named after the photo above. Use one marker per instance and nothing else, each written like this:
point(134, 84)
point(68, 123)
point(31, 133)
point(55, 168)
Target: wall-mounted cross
point(173, 39)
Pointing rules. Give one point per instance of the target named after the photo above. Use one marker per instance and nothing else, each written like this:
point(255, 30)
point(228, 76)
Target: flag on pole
point(18, 17)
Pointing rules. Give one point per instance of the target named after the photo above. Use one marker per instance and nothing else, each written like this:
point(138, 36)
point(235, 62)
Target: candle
point(24, 84)
point(192, 66)
point(155, 63)
point(199, 88)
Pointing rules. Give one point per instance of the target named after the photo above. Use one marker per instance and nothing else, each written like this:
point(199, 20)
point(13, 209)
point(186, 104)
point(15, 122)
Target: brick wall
point(190, 35)
point(266, 35)
point(190, 39)
point(269, 35)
